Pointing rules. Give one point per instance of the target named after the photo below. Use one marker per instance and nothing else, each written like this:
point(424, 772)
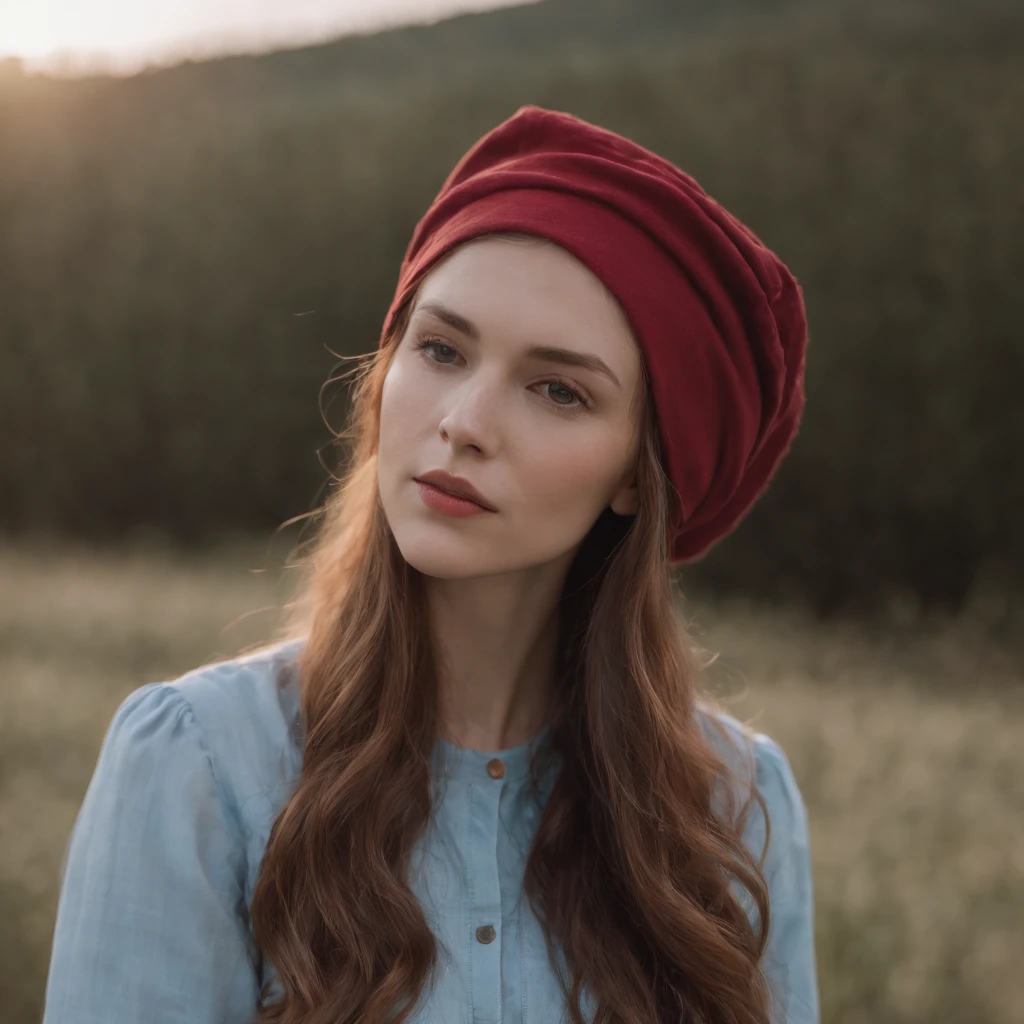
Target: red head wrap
point(718, 317)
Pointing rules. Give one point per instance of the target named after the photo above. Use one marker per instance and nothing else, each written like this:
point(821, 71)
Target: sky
point(122, 36)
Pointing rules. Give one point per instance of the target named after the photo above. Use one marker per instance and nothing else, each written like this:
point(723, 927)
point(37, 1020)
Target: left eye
point(561, 387)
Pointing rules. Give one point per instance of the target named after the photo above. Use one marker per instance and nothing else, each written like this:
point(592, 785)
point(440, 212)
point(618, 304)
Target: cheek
point(572, 476)
point(401, 408)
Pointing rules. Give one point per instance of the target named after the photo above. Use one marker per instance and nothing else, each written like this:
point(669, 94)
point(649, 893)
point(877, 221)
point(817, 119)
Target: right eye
point(435, 343)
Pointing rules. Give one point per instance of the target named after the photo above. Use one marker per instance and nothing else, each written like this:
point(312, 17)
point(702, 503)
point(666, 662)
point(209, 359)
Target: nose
point(473, 415)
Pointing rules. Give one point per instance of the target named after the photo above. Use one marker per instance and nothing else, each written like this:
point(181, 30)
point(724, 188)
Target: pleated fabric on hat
point(719, 318)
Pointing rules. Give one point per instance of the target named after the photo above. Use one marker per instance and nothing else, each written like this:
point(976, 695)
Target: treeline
point(181, 263)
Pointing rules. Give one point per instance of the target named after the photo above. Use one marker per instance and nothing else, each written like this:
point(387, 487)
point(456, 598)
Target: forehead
point(509, 287)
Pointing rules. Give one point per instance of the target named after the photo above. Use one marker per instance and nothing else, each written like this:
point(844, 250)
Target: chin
point(451, 552)
point(448, 561)
point(454, 558)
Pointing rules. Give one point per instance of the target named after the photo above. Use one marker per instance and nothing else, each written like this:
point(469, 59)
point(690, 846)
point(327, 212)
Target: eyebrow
point(545, 353)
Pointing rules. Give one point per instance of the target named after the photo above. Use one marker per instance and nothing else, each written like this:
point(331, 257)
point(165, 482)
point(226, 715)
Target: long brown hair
point(630, 868)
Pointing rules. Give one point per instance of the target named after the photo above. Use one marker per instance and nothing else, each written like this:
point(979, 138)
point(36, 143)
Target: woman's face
point(548, 444)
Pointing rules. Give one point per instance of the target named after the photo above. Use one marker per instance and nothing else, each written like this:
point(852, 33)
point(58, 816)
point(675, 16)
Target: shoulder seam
point(230, 807)
point(773, 758)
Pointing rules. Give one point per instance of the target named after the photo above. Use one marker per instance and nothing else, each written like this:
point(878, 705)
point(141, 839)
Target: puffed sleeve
point(151, 923)
point(789, 959)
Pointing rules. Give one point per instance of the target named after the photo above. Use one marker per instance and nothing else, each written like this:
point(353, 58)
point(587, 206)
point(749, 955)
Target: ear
point(626, 502)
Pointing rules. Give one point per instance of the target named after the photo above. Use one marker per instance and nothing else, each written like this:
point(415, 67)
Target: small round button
point(485, 933)
point(496, 770)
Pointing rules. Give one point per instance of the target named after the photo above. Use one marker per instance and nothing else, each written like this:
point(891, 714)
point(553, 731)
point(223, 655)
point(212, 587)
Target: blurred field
point(906, 740)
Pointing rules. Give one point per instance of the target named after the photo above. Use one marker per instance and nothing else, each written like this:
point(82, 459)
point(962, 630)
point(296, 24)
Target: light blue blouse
point(152, 924)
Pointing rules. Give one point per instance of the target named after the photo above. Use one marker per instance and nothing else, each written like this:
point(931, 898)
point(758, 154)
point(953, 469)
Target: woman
point(474, 780)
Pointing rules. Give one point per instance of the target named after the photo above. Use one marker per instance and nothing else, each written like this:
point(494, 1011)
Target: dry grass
point(908, 744)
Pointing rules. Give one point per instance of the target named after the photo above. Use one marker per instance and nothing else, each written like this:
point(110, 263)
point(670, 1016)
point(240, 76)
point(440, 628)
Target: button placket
point(486, 980)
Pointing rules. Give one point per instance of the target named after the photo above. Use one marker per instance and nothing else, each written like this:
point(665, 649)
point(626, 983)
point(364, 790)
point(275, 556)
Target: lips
point(455, 485)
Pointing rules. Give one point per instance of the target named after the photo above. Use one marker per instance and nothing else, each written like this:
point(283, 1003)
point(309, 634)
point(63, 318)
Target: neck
point(496, 639)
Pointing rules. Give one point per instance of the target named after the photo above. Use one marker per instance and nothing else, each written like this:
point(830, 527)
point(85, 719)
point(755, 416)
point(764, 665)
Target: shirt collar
point(469, 765)
point(449, 759)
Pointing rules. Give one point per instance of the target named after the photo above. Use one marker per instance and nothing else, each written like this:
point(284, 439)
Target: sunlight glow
point(122, 36)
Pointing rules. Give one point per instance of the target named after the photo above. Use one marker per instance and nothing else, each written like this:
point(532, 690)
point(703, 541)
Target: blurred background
point(203, 207)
